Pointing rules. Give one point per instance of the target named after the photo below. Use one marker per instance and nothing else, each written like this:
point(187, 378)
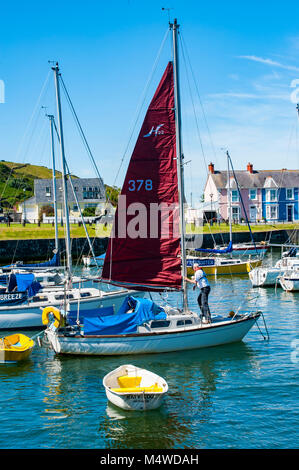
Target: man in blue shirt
point(201, 281)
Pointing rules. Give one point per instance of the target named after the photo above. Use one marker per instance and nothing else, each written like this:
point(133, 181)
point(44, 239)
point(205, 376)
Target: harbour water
point(243, 395)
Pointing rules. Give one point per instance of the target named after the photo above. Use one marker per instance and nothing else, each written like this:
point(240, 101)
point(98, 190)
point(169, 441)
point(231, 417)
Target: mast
point(64, 175)
point(51, 120)
point(229, 205)
point(180, 157)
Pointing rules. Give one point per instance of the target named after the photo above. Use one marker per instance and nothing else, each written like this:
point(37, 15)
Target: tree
point(89, 212)
point(48, 210)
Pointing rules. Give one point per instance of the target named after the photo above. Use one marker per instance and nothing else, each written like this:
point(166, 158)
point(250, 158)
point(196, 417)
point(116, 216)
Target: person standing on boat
point(201, 281)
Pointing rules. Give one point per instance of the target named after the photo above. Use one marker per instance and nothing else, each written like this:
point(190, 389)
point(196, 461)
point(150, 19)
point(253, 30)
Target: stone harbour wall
point(42, 249)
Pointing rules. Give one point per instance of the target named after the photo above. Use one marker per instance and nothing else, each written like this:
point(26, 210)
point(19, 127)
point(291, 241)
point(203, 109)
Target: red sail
point(144, 248)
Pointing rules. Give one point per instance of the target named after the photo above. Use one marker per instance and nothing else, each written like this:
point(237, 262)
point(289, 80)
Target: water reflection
point(193, 378)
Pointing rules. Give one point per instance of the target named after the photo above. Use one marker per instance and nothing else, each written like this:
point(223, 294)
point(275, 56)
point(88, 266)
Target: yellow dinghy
point(16, 347)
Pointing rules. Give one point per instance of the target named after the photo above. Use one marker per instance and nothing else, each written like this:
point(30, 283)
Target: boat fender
point(56, 314)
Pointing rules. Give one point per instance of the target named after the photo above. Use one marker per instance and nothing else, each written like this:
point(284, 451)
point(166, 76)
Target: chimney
point(211, 168)
point(250, 168)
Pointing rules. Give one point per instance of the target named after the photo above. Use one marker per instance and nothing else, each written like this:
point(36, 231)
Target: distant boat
point(98, 261)
point(132, 388)
point(15, 348)
point(269, 276)
point(219, 266)
point(248, 249)
point(289, 281)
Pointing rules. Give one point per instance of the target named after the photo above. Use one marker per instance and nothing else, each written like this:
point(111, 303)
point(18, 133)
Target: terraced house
point(268, 195)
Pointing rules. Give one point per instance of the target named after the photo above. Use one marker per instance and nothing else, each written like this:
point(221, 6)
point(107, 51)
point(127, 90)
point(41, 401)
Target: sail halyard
point(179, 153)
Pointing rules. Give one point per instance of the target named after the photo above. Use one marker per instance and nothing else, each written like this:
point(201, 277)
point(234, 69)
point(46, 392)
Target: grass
point(224, 228)
point(46, 231)
point(33, 231)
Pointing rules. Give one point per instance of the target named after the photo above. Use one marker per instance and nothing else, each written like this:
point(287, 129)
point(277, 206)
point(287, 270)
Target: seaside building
point(90, 192)
point(268, 195)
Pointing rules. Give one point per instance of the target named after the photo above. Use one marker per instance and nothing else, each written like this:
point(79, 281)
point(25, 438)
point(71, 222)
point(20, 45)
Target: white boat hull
point(201, 337)
point(136, 401)
point(264, 277)
point(289, 284)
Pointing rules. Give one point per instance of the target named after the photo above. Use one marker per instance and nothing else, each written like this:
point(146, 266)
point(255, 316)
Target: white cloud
point(270, 62)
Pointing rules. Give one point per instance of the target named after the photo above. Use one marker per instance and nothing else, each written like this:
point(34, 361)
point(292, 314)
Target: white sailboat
point(154, 175)
point(289, 281)
point(268, 276)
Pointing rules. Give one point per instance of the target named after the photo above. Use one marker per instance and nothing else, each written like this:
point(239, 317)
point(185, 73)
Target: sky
point(239, 66)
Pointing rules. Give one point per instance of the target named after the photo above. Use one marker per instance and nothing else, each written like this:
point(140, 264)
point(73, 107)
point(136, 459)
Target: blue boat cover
point(124, 323)
point(228, 249)
point(91, 313)
point(54, 262)
point(24, 283)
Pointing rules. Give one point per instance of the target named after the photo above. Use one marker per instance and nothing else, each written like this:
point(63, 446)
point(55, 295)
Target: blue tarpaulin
point(228, 249)
point(122, 322)
point(52, 263)
point(91, 313)
point(24, 283)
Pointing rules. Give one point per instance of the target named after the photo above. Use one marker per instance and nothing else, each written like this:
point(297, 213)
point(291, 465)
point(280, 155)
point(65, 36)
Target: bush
point(89, 212)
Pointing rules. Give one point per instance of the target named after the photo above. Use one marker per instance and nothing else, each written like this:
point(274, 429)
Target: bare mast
point(64, 175)
point(180, 157)
point(51, 120)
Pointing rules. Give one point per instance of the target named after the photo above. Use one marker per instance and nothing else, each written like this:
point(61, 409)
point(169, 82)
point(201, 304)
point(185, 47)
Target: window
point(252, 194)
point(236, 214)
point(75, 207)
point(271, 195)
point(85, 294)
point(234, 196)
point(271, 212)
point(184, 322)
point(160, 324)
point(290, 193)
point(48, 191)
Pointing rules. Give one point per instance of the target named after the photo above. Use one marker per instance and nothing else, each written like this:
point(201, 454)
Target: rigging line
point(199, 99)
point(20, 181)
point(80, 129)
point(195, 116)
point(29, 123)
point(194, 111)
point(139, 109)
point(242, 202)
point(141, 102)
point(76, 199)
point(12, 167)
point(183, 47)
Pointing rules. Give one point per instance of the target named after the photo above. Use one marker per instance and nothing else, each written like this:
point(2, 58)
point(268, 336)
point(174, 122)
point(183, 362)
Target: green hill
point(17, 182)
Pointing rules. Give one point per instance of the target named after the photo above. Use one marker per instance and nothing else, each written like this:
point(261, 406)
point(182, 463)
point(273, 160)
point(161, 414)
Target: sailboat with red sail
point(147, 252)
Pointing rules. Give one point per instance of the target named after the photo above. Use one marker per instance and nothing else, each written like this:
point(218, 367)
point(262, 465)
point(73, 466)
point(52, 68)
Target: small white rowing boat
point(132, 388)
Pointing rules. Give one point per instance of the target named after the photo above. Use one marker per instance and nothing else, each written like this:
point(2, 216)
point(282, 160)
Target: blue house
point(280, 196)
